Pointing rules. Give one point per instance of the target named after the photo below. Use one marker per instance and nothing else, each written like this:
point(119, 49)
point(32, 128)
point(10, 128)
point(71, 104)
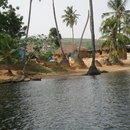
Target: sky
point(42, 15)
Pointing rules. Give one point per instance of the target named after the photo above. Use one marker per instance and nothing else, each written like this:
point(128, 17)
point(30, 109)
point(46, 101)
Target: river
point(71, 103)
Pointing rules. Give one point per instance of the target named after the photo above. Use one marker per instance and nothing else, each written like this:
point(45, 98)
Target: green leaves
point(8, 49)
point(53, 37)
point(70, 16)
point(3, 3)
point(116, 26)
point(12, 23)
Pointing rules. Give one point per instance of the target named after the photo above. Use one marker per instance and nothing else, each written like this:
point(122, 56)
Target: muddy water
point(71, 103)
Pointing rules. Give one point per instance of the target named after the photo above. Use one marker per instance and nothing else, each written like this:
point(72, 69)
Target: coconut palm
point(70, 18)
point(114, 39)
point(92, 70)
point(80, 43)
point(116, 26)
point(29, 17)
point(57, 29)
point(8, 51)
point(119, 11)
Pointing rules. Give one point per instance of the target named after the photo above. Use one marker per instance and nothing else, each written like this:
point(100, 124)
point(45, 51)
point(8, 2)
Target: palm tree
point(8, 51)
point(118, 7)
point(92, 70)
point(57, 29)
point(80, 43)
point(29, 17)
point(70, 18)
point(116, 27)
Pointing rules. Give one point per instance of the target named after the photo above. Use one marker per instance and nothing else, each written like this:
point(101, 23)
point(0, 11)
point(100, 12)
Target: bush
point(114, 57)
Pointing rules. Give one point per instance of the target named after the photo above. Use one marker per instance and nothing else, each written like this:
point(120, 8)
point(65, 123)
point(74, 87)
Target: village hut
point(71, 50)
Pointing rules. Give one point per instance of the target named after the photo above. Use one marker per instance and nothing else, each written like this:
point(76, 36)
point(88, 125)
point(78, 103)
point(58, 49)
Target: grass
point(43, 71)
point(59, 68)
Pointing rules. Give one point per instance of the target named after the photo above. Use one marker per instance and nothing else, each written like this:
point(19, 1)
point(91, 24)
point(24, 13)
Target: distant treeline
point(85, 42)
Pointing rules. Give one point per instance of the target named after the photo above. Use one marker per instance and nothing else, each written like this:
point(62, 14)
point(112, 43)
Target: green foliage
point(3, 3)
point(114, 56)
point(41, 47)
point(11, 23)
point(45, 56)
point(115, 28)
point(85, 42)
point(8, 49)
point(70, 17)
point(43, 71)
point(59, 68)
point(53, 37)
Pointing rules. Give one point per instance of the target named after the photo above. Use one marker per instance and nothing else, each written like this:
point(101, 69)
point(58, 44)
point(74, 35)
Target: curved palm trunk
point(83, 34)
point(9, 66)
point(92, 70)
point(54, 13)
point(73, 35)
point(29, 17)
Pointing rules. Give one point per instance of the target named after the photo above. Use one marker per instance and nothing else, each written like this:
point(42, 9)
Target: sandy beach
point(37, 76)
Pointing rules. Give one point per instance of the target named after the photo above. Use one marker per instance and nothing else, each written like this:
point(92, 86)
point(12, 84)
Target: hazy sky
point(42, 15)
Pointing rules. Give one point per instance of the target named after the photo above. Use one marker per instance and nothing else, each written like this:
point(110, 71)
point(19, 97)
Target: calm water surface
point(71, 103)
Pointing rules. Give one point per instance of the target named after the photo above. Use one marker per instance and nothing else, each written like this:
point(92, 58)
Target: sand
point(4, 77)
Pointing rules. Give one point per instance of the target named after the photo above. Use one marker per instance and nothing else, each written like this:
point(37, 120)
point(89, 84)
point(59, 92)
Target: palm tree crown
point(70, 16)
point(116, 26)
point(117, 5)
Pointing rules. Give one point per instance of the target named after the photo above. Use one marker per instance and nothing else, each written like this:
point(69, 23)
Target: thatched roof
point(69, 48)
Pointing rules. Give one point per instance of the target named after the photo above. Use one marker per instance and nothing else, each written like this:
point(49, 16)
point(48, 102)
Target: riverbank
point(4, 78)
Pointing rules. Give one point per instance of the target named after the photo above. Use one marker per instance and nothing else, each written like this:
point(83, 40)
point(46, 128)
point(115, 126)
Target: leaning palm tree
point(92, 70)
point(57, 29)
point(29, 17)
point(70, 18)
point(80, 43)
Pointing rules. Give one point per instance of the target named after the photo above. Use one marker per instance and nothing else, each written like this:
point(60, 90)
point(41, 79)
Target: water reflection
point(70, 103)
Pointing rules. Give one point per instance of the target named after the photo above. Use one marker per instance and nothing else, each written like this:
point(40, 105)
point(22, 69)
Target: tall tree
point(116, 27)
point(57, 29)
point(80, 43)
point(53, 36)
point(28, 26)
point(12, 23)
point(29, 17)
point(70, 18)
point(3, 3)
point(92, 70)
point(8, 51)
point(119, 11)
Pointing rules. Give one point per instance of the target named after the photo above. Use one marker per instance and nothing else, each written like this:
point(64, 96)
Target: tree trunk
point(54, 13)
point(92, 70)
point(80, 43)
point(10, 72)
point(9, 67)
point(29, 17)
point(24, 67)
point(73, 35)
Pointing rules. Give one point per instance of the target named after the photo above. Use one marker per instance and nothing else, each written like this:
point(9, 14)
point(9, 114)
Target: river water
point(71, 103)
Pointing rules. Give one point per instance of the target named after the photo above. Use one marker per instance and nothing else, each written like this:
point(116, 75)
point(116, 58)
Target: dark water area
point(72, 103)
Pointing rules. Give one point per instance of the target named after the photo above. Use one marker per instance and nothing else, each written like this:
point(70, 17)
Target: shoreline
point(39, 76)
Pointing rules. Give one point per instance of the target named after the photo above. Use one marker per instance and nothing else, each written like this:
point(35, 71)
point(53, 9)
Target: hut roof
point(69, 48)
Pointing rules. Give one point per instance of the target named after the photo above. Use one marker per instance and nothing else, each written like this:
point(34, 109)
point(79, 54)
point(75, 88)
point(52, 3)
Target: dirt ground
point(70, 72)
